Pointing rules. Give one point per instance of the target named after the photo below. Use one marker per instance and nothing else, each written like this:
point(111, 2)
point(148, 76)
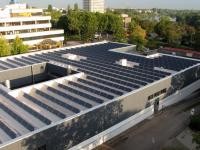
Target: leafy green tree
point(69, 8)
point(138, 37)
point(173, 34)
point(161, 27)
point(188, 35)
point(55, 15)
point(193, 20)
point(63, 23)
point(132, 26)
point(119, 36)
point(17, 47)
point(76, 8)
point(197, 40)
point(50, 8)
point(148, 25)
point(88, 26)
point(115, 27)
point(195, 126)
point(196, 139)
point(102, 22)
point(4, 47)
point(74, 22)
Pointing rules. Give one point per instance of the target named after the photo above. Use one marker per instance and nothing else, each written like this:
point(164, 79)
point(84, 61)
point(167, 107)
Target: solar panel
point(101, 87)
point(108, 96)
point(50, 109)
point(81, 94)
point(55, 100)
point(28, 109)
point(16, 117)
point(7, 130)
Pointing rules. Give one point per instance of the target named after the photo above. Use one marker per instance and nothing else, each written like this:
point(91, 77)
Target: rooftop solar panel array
point(104, 80)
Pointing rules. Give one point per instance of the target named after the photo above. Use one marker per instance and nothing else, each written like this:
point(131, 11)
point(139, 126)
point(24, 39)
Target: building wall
point(17, 20)
point(94, 5)
point(74, 131)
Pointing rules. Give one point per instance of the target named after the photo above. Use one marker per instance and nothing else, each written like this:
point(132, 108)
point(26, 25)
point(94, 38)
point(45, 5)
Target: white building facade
point(94, 5)
point(29, 24)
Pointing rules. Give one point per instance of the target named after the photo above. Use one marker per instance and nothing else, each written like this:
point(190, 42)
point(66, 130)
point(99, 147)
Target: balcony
point(25, 27)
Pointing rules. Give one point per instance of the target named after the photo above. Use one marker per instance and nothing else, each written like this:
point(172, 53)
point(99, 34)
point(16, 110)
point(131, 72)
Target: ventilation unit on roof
point(154, 56)
point(73, 57)
point(126, 63)
point(165, 70)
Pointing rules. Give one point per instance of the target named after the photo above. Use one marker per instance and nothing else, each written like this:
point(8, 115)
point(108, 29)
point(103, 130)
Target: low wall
point(137, 118)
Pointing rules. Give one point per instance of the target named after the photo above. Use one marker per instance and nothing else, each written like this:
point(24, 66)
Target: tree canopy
point(17, 47)
point(86, 24)
point(138, 37)
point(4, 47)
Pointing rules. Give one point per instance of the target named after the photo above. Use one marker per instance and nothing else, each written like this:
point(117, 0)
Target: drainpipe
point(33, 80)
point(7, 84)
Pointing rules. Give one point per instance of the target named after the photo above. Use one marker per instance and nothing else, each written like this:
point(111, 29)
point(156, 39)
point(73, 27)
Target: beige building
point(94, 5)
point(126, 20)
point(29, 24)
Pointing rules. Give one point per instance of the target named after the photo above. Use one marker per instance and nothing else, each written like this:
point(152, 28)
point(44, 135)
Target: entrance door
point(156, 106)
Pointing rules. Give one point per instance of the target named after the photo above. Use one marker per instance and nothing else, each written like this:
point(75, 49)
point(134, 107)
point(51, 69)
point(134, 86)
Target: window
point(164, 91)
point(150, 97)
point(157, 94)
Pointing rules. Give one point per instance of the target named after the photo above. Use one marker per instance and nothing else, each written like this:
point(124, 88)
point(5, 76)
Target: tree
point(148, 25)
point(102, 22)
point(115, 27)
point(4, 47)
point(76, 8)
point(131, 26)
point(74, 22)
point(195, 126)
point(55, 15)
point(161, 26)
point(68, 8)
point(50, 8)
point(196, 139)
point(193, 20)
point(170, 31)
point(88, 26)
point(188, 35)
point(197, 40)
point(138, 37)
point(17, 47)
point(173, 34)
point(63, 23)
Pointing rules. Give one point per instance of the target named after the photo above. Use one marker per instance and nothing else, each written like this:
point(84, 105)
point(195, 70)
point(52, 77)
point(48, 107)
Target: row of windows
point(24, 31)
point(24, 23)
point(157, 94)
point(40, 37)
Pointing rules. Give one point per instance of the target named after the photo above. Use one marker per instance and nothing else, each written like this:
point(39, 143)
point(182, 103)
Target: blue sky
point(173, 4)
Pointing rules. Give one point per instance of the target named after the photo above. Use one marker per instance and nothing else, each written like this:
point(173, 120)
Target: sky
point(171, 4)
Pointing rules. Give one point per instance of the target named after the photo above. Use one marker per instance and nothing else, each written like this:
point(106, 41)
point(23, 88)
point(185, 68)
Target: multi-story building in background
point(29, 24)
point(94, 5)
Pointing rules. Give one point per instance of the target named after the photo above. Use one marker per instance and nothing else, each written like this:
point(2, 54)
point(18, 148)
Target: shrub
point(195, 123)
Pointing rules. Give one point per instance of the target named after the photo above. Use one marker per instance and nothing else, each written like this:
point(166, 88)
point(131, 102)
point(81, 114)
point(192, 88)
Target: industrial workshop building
point(79, 97)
